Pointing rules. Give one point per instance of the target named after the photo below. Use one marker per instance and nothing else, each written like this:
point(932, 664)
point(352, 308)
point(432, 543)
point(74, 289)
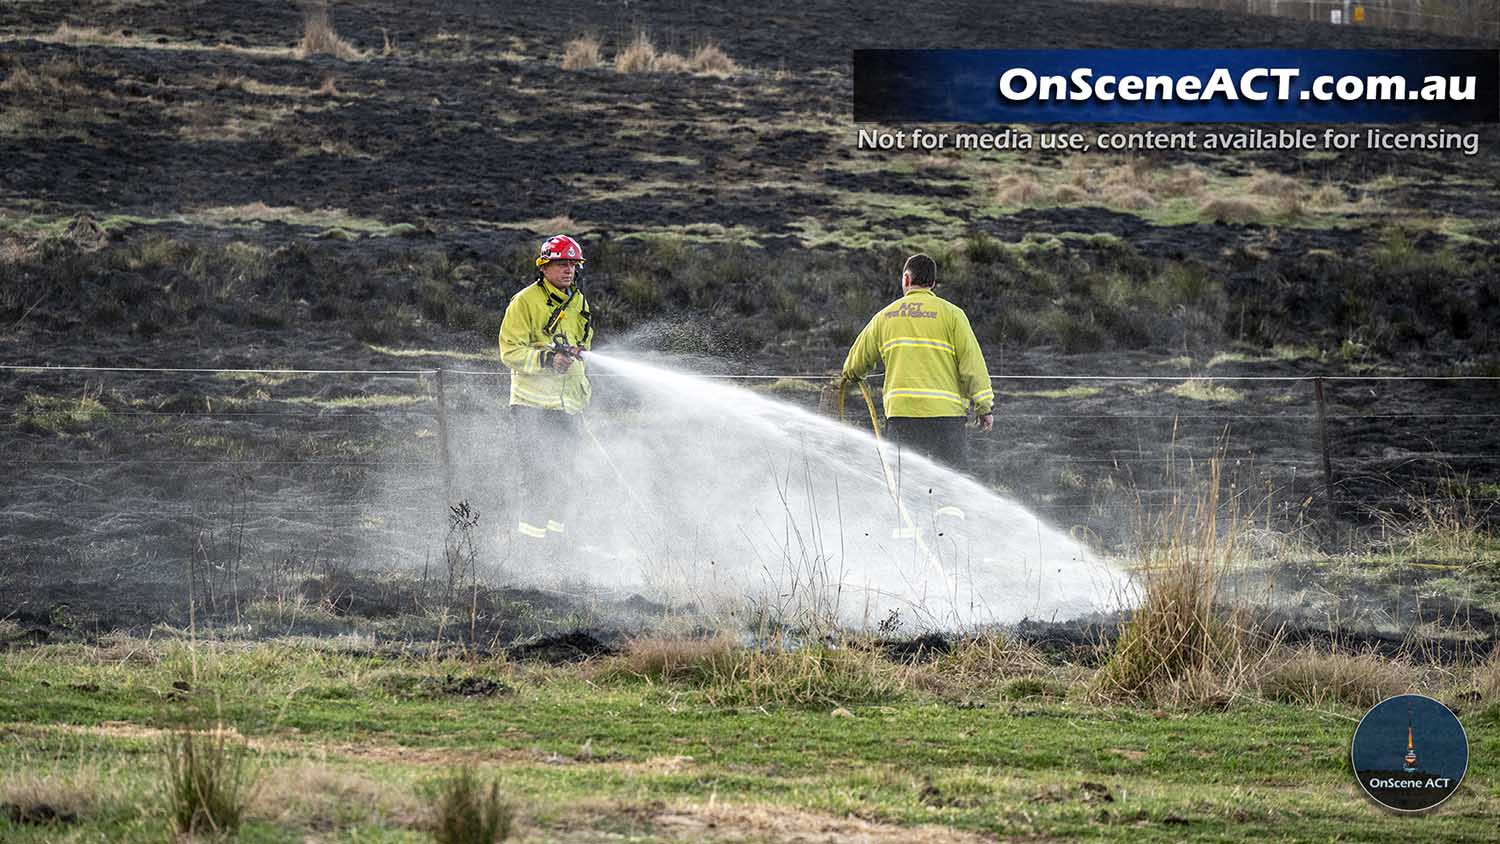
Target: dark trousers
point(941, 438)
point(545, 445)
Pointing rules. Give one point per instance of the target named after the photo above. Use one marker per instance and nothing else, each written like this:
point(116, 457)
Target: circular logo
point(1410, 753)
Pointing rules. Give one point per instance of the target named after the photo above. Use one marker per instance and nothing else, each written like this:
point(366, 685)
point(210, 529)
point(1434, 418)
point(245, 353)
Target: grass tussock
point(1206, 391)
point(1232, 209)
point(638, 57)
point(209, 781)
point(48, 800)
point(727, 674)
point(670, 63)
point(466, 810)
point(77, 36)
point(320, 38)
point(990, 665)
point(1017, 191)
point(1486, 679)
point(641, 56)
point(1315, 677)
point(582, 54)
point(711, 60)
point(60, 414)
point(318, 797)
point(673, 659)
point(1180, 645)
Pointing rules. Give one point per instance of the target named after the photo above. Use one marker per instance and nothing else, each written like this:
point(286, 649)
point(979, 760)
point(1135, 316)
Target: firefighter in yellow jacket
point(934, 371)
point(546, 329)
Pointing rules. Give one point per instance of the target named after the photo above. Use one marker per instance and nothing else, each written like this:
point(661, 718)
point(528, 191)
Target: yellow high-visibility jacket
point(525, 335)
point(933, 366)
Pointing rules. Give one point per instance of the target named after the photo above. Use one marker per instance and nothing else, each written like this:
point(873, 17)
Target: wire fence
point(105, 462)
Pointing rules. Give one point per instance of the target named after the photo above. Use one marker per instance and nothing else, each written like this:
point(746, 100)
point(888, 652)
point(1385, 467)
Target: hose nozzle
point(561, 345)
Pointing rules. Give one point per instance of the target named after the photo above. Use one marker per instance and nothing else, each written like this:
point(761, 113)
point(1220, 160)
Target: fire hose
point(909, 527)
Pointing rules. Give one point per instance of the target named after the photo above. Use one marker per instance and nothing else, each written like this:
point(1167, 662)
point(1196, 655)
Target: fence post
point(1323, 436)
point(442, 420)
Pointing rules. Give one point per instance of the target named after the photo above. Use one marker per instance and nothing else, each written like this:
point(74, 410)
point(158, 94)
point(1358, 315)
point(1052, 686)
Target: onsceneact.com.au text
point(1259, 84)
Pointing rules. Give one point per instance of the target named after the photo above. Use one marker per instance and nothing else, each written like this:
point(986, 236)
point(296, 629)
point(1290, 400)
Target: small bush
point(983, 249)
point(319, 37)
point(466, 812)
point(582, 54)
point(709, 60)
point(638, 57)
point(641, 290)
point(209, 781)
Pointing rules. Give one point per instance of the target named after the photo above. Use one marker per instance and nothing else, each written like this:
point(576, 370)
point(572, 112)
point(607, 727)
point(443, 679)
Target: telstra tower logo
point(1410, 753)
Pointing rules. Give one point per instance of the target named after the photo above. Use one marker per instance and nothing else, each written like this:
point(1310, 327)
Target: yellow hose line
point(890, 482)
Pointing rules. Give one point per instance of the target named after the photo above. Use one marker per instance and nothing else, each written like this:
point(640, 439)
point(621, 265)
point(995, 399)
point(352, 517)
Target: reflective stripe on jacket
point(524, 337)
point(933, 366)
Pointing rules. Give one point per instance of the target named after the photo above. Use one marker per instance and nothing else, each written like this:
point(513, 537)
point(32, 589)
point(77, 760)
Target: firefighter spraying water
point(699, 492)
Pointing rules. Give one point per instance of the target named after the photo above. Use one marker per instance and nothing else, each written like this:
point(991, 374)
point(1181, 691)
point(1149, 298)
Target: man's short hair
point(923, 270)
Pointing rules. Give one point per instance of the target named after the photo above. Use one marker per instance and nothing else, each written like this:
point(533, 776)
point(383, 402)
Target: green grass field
point(344, 743)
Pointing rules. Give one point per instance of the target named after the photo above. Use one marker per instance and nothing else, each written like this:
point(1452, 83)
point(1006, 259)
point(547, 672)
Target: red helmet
point(560, 247)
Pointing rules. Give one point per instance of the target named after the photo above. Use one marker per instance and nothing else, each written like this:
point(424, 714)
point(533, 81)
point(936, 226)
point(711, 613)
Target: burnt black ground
point(472, 124)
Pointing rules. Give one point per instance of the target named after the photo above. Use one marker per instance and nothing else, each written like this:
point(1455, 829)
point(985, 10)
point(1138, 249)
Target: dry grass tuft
point(67, 33)
point(21, 81)
point(727, 674)
point(582, 54)
point(561, 224)
point(641, 56)
point(1180, 645)
point(1313, 677)
point(1231, 209)
point(678, 659)
point(638, 57)
point(210, 781)
point(320, 798)
point(29, 799)
point(1069, 194)
point(1487, 680)
point(223, 80)
point(1183, 180)
point(710, 60)
point(1274, 185)
point(465, 811)
point(1327, 196)
point(988, 665)
point(1014, 190)
point(1128, 197)
point(320, 38)
point(670, 63)
point(54, 77)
